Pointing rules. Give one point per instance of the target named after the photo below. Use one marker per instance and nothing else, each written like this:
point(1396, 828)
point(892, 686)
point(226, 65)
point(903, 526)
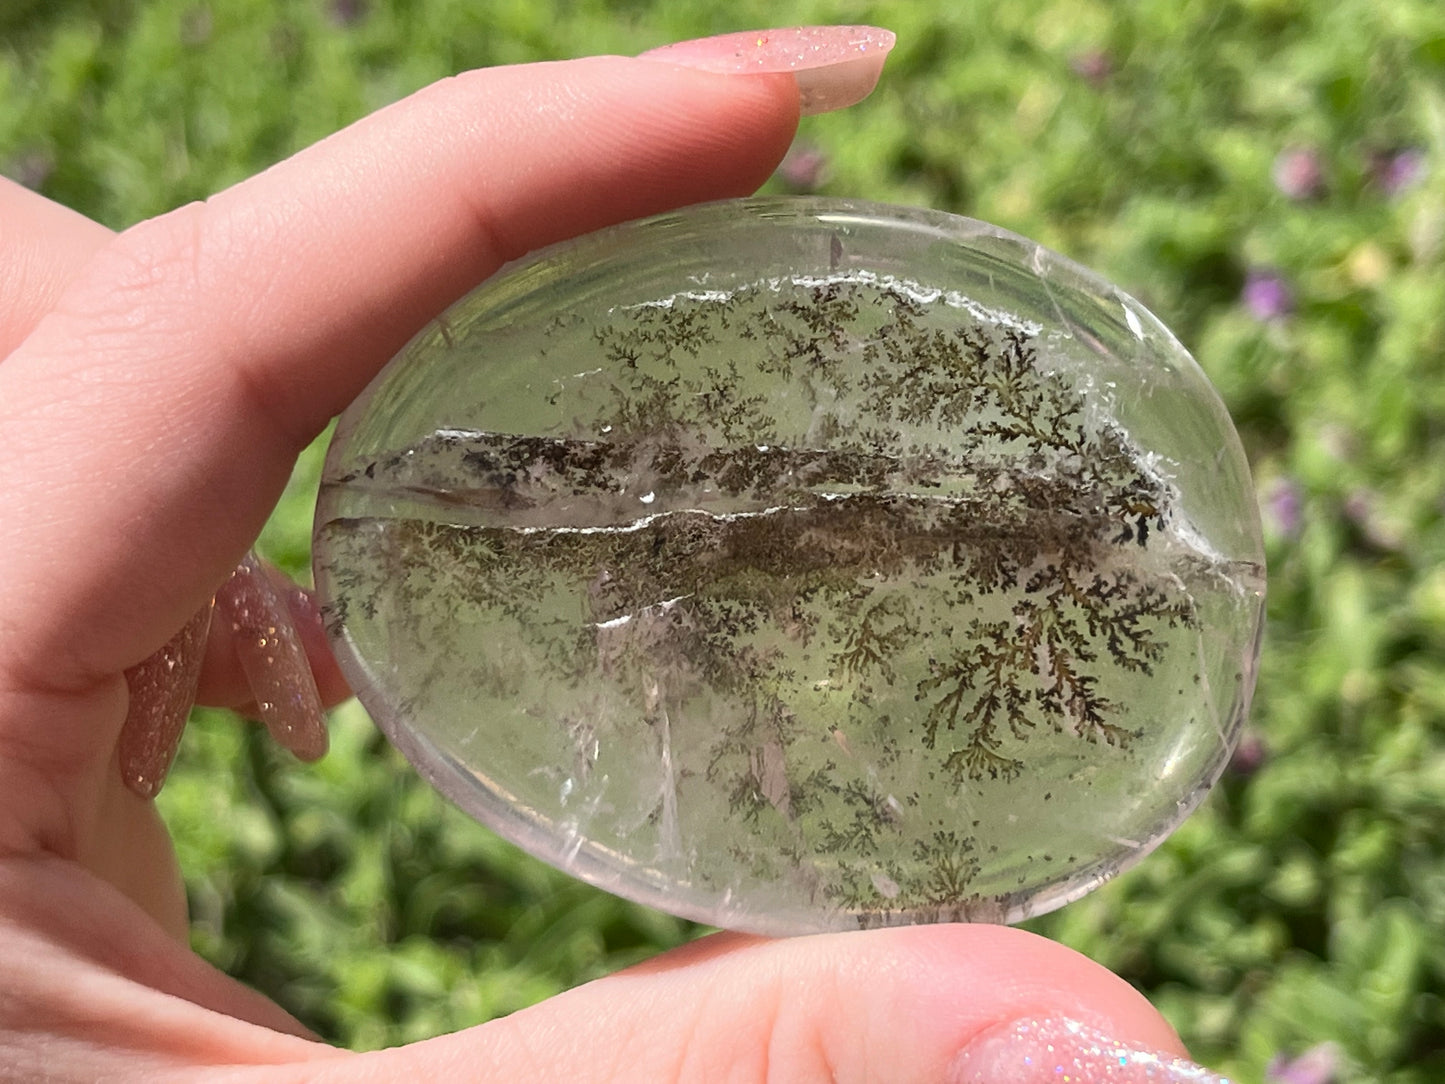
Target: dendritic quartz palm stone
point(801, 564)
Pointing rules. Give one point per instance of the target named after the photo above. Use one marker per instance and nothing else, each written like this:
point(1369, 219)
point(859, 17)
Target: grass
point(1306, 901)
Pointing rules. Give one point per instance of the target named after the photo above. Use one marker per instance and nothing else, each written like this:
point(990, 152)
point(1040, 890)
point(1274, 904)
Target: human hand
point(157, 389)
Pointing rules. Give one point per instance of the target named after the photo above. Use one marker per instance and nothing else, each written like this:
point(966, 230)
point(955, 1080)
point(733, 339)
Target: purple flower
point(347, 12)
point(1249, 756)
point(1092, 65)
point(1283, 507)
point(32, 169)
point(1317, 1065)
point(1298, 173)
point(1398, 171)
point(1266, 295)
point(804, 168)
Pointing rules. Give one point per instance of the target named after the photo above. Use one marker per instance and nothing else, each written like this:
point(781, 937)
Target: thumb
point(939, 1004)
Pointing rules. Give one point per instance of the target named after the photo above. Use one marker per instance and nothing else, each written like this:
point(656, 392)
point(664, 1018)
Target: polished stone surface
point(801, 564)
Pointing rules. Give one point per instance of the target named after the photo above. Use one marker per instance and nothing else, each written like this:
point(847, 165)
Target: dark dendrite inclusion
point(813, 594)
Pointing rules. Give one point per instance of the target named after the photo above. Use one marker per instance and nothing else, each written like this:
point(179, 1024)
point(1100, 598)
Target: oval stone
point(801, 564)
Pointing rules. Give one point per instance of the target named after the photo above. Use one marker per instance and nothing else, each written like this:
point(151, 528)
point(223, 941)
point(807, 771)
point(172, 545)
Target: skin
point(156, 388)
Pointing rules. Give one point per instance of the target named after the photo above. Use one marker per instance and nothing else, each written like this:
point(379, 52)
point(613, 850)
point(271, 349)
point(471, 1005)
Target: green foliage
point(1306, 901)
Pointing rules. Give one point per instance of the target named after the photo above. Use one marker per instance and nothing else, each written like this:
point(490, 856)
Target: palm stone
point(801, 564)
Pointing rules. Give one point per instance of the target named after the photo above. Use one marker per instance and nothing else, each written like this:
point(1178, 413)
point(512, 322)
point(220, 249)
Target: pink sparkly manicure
point(273, 659)
point(1059, 1051)
point(163, 687)
point(835, 66)
point(162, 690)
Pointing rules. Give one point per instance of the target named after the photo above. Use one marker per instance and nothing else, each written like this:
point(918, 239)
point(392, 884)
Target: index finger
point(42, 247)
point(152, 419)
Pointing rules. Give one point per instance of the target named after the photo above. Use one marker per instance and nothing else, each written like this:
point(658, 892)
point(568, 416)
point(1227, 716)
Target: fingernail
point(162, 692)
point(834, 66)
point(273, 659)
point(1052, 1051)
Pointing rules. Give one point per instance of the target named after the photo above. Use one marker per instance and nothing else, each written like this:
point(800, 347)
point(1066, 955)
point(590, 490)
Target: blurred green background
point(1267, 175)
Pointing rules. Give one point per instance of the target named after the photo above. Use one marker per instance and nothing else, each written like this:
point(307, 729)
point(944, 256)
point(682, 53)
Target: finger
point(223, 681)
point(261, 634)
point(919, 1004)
point(923, 1004)
point(273, 659)
point(144, 427)
point(162, 691)
point(95, 990)
point(42, 247)
point(199, 352)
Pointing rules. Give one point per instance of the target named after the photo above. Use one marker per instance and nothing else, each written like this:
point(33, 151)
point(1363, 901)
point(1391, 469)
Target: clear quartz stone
point(801, 564)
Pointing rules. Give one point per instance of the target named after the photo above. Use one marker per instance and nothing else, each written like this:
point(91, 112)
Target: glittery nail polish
point(162, 689)
point(834, 66)
point(273, 659)
point(1066, 1052)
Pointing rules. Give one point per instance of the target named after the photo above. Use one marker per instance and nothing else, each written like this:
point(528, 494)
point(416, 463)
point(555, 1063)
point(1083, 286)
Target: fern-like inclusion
point(846, 567)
